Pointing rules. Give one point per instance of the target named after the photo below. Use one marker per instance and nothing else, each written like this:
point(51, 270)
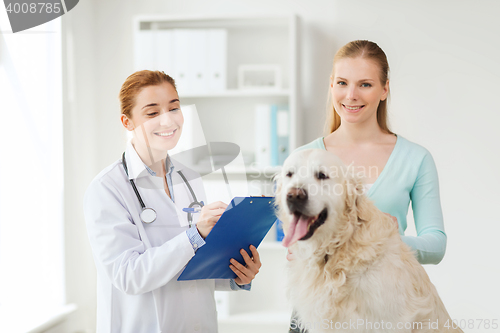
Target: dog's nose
point(296, 198)
point(296, 194)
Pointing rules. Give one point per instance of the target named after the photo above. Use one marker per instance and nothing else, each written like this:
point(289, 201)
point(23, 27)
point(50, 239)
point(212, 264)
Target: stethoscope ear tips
point(148, 215)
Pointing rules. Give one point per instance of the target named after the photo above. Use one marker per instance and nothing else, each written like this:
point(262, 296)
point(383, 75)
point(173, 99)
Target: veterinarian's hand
point(394, 218)
point(246, 273)
point(209, 215)
point(289, 255)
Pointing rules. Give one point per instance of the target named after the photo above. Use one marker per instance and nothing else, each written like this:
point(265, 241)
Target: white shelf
point(239, 93)
point(192, 21)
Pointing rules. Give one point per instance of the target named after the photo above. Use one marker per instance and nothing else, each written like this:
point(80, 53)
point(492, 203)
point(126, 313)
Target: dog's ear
point(277, 180)
point(354, 189)
point(277, 185)
point(356, 208)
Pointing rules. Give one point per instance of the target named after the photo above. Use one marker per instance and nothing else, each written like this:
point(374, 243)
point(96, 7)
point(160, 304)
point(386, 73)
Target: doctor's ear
point(127, 123)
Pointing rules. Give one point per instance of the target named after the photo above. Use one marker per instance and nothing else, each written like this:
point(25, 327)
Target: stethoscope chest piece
point(148, 215)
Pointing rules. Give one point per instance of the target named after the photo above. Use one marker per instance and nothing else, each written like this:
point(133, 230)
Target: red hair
point(135, 83)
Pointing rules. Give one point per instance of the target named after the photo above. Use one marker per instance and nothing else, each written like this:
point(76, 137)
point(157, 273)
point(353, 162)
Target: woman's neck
point(357, 134)
point(151, 157)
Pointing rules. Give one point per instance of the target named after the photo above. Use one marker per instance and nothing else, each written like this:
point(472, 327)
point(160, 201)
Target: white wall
point(445, 80)
point(80, 160)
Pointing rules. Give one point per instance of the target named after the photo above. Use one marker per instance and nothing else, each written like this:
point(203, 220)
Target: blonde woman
point(395, 170)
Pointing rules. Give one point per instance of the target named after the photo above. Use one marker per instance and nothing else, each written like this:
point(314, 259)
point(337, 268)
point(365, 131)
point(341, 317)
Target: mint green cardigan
point(409, 175)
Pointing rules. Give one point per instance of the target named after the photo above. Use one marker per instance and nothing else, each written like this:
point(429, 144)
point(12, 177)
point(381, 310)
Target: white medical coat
point(138, 264)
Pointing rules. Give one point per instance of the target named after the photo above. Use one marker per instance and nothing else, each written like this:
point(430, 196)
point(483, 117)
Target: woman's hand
point(246, 273)
point(209, 216)
point(289, 255)
point(395, 219)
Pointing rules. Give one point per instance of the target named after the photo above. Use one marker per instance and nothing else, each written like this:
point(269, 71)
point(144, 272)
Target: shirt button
point(195, 245)
point(196, 327)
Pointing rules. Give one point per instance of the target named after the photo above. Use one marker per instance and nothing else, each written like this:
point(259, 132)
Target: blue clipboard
point(245, 222)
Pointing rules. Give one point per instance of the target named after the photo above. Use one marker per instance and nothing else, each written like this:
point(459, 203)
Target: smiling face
point(356, 89)
point(156, 122)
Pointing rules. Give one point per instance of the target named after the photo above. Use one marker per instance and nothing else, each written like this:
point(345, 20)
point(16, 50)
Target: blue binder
point(245, 222)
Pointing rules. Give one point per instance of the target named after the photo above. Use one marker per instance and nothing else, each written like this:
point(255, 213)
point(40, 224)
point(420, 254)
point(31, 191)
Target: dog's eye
point(321, 175)
point(289, 174)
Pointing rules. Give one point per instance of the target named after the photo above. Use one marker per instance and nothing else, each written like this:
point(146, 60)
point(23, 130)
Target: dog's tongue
point(297, 229)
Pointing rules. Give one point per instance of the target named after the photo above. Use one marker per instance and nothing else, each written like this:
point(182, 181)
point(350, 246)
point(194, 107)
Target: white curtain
point(31, 172)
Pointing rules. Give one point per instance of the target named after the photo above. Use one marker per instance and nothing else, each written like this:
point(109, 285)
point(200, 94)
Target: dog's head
point(314, 186)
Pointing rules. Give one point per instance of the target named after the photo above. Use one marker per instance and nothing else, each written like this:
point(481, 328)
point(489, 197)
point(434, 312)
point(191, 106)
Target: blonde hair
point(368, 50)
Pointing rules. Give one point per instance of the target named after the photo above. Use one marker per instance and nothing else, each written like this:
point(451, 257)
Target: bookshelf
point(227, 114)
point(257, 40)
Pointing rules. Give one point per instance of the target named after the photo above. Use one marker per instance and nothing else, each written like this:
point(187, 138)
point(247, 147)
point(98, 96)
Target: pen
point(192, 210)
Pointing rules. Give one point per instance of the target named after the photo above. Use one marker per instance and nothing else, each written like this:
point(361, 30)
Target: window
point(31, 172)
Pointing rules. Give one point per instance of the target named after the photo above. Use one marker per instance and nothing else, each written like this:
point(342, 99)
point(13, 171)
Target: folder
point(262, 135)
point(274, 135)
point(283, 134)
point(164, 45)
point(182, 40)
point(245, 222)
point(144, 42)
point(190, 60)
point(217, 59)
point(198, 62)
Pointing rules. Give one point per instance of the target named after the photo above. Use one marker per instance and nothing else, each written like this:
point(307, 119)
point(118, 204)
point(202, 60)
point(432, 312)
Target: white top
point(138, 265)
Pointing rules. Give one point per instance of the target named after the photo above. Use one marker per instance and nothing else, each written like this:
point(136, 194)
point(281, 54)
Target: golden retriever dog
point(351, 271)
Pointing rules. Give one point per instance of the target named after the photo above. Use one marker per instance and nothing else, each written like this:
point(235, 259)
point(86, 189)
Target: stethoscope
point(148, 215)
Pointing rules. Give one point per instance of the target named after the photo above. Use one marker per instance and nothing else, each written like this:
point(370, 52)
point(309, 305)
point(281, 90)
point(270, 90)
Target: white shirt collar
point(137, 168)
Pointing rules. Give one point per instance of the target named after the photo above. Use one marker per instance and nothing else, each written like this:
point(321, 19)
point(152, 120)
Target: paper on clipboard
point(245, 222)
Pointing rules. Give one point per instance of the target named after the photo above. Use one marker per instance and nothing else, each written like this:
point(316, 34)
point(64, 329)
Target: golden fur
point(355, 267)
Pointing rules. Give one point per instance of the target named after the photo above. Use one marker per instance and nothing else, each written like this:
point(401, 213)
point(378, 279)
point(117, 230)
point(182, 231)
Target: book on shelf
point(271, 135)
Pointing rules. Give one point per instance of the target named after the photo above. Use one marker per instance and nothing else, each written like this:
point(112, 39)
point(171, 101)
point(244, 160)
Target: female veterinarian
point(140, 237)
point(394, 169)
